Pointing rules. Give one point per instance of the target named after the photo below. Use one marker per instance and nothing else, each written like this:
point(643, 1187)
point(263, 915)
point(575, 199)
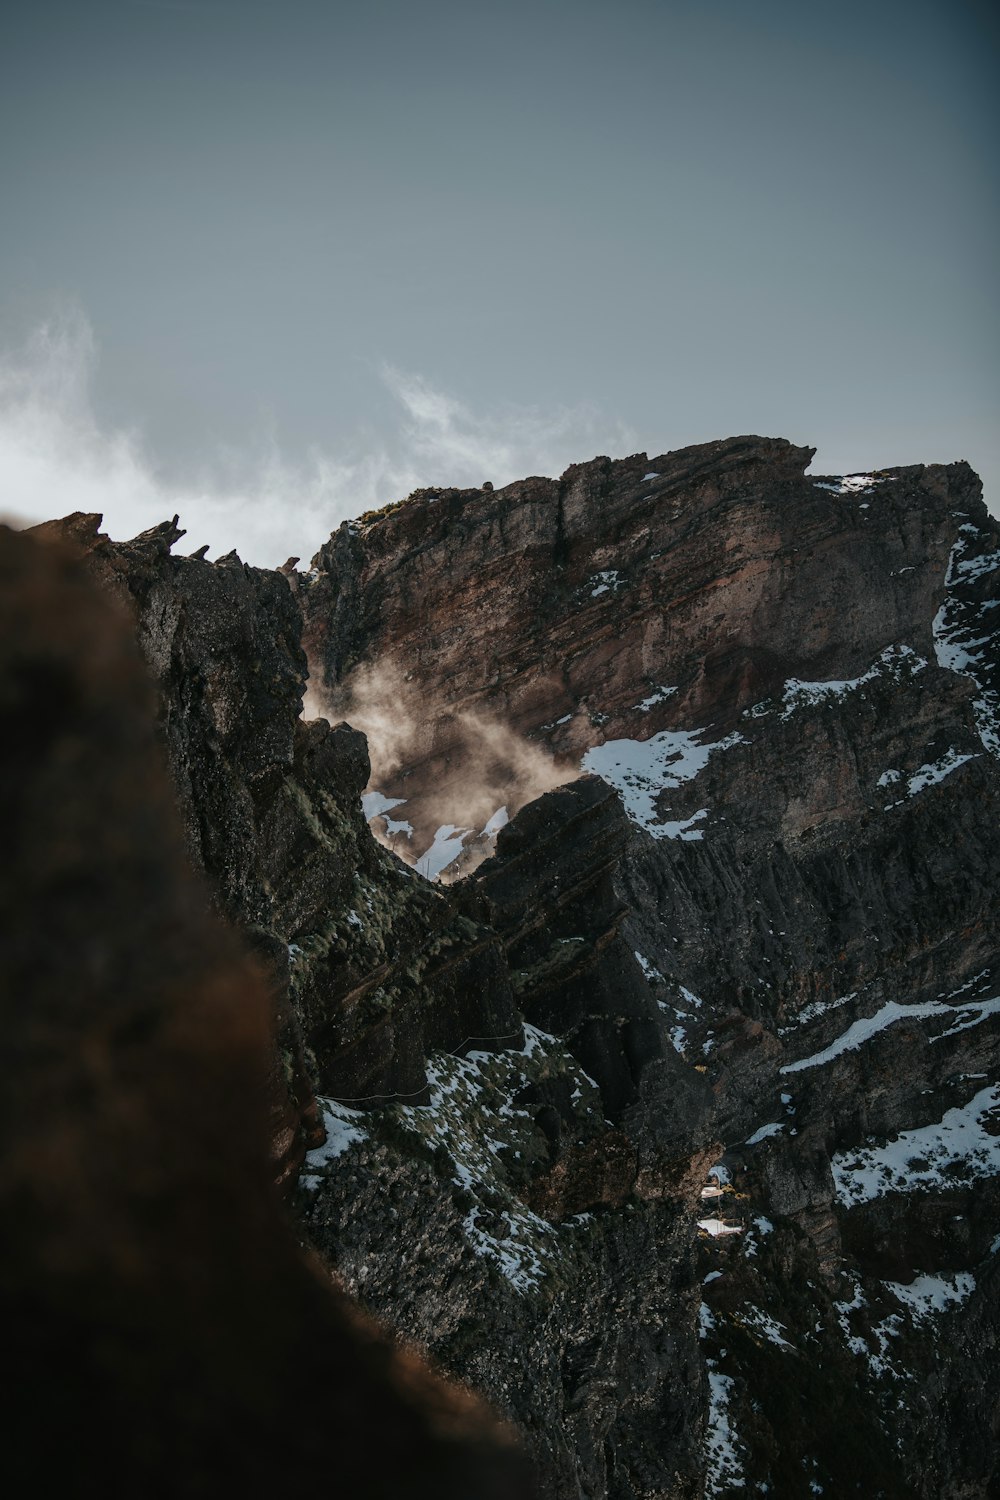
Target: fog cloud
point(469, 763)
point(460, 446)
point(56, 456)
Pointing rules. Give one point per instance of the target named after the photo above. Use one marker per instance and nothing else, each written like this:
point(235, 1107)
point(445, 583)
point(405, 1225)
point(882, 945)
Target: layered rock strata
point(792, 684)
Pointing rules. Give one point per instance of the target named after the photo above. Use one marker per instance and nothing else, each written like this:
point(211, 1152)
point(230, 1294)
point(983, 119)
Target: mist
point(472, 764)
point(58, 456)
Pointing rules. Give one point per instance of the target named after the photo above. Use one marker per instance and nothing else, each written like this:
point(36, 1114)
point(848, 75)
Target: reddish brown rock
point(600, 1173)
point(555, 608)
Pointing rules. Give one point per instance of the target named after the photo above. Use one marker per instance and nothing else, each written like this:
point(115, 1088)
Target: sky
point(271, 262)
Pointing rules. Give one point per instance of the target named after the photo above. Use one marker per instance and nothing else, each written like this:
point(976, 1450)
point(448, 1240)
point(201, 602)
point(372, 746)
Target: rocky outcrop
point(164, 1335)
point(791, 682)
point(638, 594)
point(551, 892)
point(371, 968)
point(546, 1194)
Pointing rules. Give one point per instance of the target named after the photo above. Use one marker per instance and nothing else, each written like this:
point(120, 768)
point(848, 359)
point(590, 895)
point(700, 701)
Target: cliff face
point(706, 748)
point(625, 599)
point(533, 1225)
point(792, 684)
point(371, 967)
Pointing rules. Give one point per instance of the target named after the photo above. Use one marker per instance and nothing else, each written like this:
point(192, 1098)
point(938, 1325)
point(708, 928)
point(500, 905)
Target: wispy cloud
point(466, 447)
point(57, 457)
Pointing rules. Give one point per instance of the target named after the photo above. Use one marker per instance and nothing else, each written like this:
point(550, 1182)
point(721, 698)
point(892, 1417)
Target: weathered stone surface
point(556, 607)
point(371, 967)
point(554, 1185)
point(809, 884)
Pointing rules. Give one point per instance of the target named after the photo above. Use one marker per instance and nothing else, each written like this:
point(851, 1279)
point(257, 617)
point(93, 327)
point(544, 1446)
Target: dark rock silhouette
point(163, 1333)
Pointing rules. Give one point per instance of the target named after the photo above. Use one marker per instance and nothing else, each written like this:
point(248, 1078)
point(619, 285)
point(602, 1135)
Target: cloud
point(57, 457)
point(464, 447)
point(471, 763)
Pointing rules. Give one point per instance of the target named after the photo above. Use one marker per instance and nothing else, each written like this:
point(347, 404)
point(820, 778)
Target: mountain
point(666, 1114)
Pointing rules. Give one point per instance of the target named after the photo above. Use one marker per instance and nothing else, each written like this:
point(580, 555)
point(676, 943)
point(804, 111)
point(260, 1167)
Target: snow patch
point(658, 695)
point(878, 1360)
point(684, 829)
point(641, 769)
point(966, 1014)
point(650, 970)
point(957, 646)
point(928, 775)
point(676, 1035)
point(499, 820)
point(850, 484)
point(537, 1041)
point(344, 1128)
point(724, 1465)
point(472, 1120)
point(894, 661)
point(933, 1294)
point(953, 1151)
point(758, 1321)
point(968, 569)
point(445, 849)
point(374, 803)
point(609, 580)
point(814, 1010)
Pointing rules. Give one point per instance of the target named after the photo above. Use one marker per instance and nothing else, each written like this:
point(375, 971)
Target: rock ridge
point(707, 747)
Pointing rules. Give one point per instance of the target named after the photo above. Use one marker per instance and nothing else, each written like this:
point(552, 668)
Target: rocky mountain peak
point(653, 1090)
point(488, 642)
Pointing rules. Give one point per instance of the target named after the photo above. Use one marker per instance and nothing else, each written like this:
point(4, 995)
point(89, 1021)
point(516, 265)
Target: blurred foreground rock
point(163, 1334)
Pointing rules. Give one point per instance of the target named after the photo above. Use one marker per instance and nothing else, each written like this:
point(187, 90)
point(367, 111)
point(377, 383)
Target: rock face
point(371, 967)
point(792, 682)
point(707, 750)
point(631, 596)
point(541, 1205)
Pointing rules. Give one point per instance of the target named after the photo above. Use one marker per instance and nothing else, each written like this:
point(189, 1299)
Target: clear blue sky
point(274, 259)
